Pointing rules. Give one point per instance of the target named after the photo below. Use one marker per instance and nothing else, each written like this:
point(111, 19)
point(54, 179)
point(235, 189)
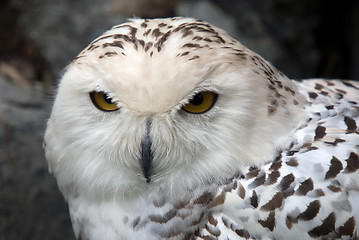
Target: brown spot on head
point(157, 32)
point(271, 110)
point(186, 32)
point(288, 89)
point(193, 58)
point(318, 86)
point(145, 34)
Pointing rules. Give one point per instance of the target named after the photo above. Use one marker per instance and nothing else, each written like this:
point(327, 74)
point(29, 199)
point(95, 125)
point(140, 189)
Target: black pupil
point(107, 99)
point(197, 99)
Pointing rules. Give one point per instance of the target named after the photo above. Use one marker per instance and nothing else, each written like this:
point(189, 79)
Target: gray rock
point(62, 29)
point(31, 207)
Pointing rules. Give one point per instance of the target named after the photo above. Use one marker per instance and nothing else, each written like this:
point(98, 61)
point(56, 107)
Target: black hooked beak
point(146, 154)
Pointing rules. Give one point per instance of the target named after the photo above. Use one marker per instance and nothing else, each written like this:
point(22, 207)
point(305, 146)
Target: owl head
point(164, 106)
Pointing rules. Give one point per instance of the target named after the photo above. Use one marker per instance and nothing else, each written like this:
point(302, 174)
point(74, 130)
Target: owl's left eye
point(103, 102)
point(201, 102)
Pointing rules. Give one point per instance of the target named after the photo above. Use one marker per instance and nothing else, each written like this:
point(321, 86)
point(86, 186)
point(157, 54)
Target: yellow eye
point(103, 102)
point(201, 102)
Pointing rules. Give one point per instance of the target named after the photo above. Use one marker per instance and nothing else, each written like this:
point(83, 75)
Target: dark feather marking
point(241, 192)
point(336, 141)
point(213, 231)
point(318, 86)
point(243, 233)
point(319, 132)
point(349, 84)
point(351, 124)
point(193, 58)
point(311, 211)
point(163, 39)
point(212, 220)
point(254, 199)
point(352, 163)
point(159, 203)
point(148, 46)
point(135, 222)
point(286, 181)
point(163, 219)
point(272, 177)
point(313, 95)
point(293, 162)
point(347, 229)
point(269, 222)
point(274, 203)
point(113, 44)
point(253, 173)
point(218, 200)
point(305, 187)
point(258, 181)
point(205, 198)
point(157, 32)
point(334, 188)
point(327, 226)
point(319, 193)
point(145, 34)
point(335, 167)
point(277, 163)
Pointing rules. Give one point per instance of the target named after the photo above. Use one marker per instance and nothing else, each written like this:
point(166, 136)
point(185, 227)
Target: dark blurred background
point(38, 38)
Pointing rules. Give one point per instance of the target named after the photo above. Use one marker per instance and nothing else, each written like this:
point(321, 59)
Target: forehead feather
point(154, 64)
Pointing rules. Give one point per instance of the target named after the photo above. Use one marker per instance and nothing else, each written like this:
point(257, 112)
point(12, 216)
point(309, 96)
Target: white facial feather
point(100, 150)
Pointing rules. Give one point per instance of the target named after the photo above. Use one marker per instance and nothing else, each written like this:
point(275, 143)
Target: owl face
point(162, 106)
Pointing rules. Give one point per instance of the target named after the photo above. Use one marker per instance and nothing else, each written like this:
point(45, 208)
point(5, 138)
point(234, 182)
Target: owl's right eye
point(103, 102)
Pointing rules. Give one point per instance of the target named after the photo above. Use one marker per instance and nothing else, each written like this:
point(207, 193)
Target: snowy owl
point(171, 129)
